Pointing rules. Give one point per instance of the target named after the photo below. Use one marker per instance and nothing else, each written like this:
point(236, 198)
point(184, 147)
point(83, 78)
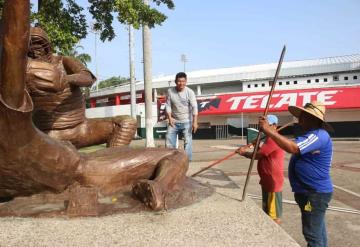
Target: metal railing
point(221, 131)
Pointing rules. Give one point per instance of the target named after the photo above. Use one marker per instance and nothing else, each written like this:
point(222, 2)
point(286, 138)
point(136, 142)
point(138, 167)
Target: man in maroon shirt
point(271, 171)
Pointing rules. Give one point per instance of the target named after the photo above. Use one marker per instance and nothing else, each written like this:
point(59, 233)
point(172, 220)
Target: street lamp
point(184, 60)
point(94, 31)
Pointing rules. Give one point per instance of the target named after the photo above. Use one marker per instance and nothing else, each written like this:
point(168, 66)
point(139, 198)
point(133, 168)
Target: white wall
point(234, 120)
point(111, 111)
point(302, 82)
point(342, 115)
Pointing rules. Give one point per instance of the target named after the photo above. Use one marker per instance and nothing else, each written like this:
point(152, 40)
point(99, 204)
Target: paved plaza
point(219, 220)
point(343, 227)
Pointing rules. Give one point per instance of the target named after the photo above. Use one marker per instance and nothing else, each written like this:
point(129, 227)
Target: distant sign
point(333, 98)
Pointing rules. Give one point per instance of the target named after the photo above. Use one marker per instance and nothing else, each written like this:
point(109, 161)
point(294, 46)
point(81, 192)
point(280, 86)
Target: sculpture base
point(83, 201)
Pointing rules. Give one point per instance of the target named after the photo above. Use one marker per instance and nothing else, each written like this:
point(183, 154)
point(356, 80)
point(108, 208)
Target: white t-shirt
point(182, 105)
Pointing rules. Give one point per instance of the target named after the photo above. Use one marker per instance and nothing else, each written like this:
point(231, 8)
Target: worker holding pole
point(271, 171)
point(216, 162)
point(309, 167)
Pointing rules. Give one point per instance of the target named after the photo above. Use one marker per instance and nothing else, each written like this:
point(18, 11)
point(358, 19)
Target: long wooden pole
point(233, 153)
point(265, 114)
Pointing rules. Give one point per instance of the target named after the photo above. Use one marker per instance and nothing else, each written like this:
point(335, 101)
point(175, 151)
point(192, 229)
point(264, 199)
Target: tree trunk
point(132, 72)
point(148, 84)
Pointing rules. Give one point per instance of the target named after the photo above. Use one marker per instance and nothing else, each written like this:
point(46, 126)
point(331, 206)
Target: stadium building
point(231, 99)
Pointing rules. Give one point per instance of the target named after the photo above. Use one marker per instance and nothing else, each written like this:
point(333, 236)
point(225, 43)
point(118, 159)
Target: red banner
point(333, 98)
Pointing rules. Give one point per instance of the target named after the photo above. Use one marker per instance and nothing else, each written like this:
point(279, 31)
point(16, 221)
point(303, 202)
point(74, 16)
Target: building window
point(295, 82)
point(355, 77)
point(335, 77)
point(256, 85)
point(316, 80)
point(263, 85)
point(287, 83)
point(346, 78)
point(248, 86)
point(309, 81)
point(325, 79)
point(280, 83)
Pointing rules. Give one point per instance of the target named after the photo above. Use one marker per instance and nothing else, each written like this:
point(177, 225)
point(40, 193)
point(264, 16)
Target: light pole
point(93, 30)
point(184, 59)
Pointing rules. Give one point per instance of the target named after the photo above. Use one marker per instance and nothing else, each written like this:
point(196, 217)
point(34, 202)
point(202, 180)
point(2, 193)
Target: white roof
point(254, 72)
point(263, 71)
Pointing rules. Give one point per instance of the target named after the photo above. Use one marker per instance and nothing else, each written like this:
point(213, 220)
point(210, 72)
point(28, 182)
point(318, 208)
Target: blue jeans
point(313, 206)
point(185, 129)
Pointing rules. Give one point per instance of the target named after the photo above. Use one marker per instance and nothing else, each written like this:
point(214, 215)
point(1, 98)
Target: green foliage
point(113, 81)
point(82, 57)
point(130, 12)
point(65, 24)
point(135, 12)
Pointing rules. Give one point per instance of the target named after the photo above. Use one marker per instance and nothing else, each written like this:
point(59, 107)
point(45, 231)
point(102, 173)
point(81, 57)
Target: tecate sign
point(256, 102)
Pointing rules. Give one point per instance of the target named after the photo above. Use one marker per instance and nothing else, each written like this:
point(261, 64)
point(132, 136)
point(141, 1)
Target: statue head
point(40, 47)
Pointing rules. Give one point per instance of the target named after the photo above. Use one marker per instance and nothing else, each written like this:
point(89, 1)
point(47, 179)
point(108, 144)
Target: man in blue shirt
point(309, 168)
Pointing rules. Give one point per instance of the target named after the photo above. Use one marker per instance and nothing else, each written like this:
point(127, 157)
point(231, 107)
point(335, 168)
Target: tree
point(65, 22)
point(113, 81)
point(82, 57)
point(133, 12)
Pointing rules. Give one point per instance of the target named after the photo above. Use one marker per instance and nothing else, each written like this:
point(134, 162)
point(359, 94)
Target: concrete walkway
point(219, 220)
point(342, 227)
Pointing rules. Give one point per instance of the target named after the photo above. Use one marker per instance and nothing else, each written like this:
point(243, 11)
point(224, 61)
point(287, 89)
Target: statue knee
point(123, 131)
point(177, 163)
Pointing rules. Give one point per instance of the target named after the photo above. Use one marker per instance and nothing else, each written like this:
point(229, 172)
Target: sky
point(230, 33)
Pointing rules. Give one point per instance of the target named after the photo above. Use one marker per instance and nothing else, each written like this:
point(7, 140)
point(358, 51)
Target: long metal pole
point(148, 84)
point(265, 114)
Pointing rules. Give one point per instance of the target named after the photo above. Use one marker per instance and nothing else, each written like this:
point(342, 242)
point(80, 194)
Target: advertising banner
point(333, 98)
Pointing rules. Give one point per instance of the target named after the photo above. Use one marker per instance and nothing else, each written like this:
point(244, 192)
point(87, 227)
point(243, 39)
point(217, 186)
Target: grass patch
point(92, 148)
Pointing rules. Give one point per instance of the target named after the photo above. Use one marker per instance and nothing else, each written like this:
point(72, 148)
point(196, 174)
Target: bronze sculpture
point(59, 108)
point(32, 162)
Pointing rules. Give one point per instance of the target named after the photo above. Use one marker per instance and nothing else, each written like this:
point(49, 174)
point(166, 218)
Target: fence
point(221, 131)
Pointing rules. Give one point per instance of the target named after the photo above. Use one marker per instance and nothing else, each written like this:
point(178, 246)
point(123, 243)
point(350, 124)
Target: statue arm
point(15, 40)
point(77, 73)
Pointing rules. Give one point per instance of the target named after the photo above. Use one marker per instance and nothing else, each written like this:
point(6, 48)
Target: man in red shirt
point(271, 171)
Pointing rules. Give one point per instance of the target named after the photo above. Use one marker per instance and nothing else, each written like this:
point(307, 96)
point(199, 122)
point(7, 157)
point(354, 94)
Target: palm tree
point(84, 58)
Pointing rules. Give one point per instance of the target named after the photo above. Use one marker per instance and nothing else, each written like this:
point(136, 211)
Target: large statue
point(59, 108)
point(32, 162)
